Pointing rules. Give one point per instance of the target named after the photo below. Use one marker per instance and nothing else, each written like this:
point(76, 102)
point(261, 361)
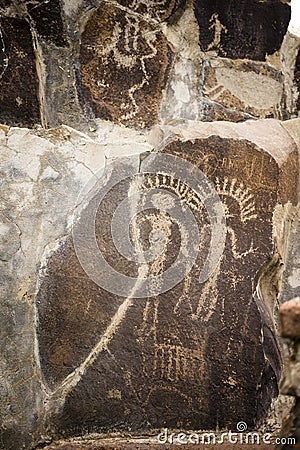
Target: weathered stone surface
point(157, 10)
point(241, 29)
point(290, 319)
point(41, 175)
point(243, 88)
point(46, 16)
point(61, 103)
point(184, 358)
point(5, 3)
point(143, 444)
point(19, 102)
point(297, 79)
point(289, 231)
point(212, 111)
point(199, 355)
point(288, 54)
point(181, 96)
point(54, 36)
point(291, 430)
point(289, 313)
point(10, 239)
point(291, 381)
point(125, 80)
point(287, 228)
point(124, 64)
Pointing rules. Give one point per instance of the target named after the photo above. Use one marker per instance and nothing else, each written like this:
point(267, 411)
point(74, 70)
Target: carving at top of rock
point(124, 64)
point(159, 10)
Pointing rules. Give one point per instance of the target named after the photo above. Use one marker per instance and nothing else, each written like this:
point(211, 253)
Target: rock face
point(290, 329)
point(98, 361)
point(254, 89)
point(247, 68)
point(157, 10)
point(41, 176)
point(47, 20)
point(178, 358)
point(124, 64)
point(225, 27)
point(290, 319)
point(18, 76)
point(297, 79)
point(136, 62)
point(151, 299)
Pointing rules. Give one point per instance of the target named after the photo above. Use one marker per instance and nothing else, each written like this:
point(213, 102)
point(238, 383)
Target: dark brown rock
point(78, 320)
point(198, 355)
point(124, 64)
point(290, 319)
point(5, 3)
point(46, 18)
point(70, 337)
point(19, 103)
point(241, 29)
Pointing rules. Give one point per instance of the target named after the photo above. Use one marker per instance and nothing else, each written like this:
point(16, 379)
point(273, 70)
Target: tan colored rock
point(290, 319)
point(240, 86)
point(291, 382)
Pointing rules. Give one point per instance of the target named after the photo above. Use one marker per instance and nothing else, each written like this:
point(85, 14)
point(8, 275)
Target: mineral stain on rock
point(124, 64)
